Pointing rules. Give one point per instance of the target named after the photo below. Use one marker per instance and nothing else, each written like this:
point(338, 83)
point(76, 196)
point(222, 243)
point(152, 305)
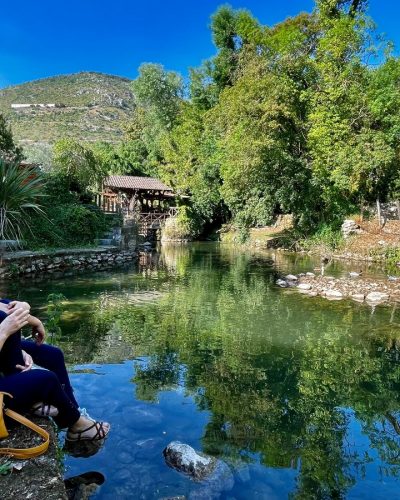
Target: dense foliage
point(66, 221)
point(290, 118)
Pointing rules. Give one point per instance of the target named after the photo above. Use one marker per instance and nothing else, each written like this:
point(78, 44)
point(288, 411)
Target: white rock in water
point(377, 297)
point(281, 283)
point(333, 294)
point(184, 458)
point(304, 286)
point(353, 274)
point(310, 275)
point(359, 297)
point(291, 277)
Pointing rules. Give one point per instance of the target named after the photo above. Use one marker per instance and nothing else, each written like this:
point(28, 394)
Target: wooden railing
point(108, 204)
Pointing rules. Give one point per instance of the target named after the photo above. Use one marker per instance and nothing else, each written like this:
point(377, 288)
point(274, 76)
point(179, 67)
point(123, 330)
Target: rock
point(304, 286)
point(333, 294)
point(377, 297)
point(350, 227)
point(281, 283)
point(215, 475)
point(310, 275)
point(359, 297)
point(353, 274)
point(291, 277)
point(184, 458)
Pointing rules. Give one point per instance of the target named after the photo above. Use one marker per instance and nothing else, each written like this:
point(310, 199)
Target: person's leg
point(51, 358)
point(32, 386)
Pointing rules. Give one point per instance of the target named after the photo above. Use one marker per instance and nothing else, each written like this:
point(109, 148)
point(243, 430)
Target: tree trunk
point(398, 208)
point(378, 208)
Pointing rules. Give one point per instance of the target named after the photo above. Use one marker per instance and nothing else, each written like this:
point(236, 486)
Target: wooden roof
point(136, 183)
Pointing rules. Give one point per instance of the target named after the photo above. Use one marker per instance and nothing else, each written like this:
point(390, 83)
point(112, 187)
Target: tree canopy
point(285, 118)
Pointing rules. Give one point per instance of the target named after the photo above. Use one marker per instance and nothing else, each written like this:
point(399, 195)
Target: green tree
point(8, 149)
point(78, 164)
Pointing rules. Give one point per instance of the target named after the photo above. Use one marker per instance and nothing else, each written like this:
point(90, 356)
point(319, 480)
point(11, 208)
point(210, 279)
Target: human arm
point(12, 323)
point(38, 331)
point(16, 304)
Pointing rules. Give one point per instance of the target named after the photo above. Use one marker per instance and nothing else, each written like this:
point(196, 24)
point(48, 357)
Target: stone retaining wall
point(37, 263)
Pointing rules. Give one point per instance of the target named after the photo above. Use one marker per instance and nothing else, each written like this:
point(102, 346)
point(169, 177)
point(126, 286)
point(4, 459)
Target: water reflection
point(301, 394)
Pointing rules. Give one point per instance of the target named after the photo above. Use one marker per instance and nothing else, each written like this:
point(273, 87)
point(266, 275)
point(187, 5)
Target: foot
point(86, 429)
point(44, 410)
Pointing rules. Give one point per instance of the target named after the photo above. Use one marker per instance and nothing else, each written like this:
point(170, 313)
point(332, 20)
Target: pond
point(299, 396)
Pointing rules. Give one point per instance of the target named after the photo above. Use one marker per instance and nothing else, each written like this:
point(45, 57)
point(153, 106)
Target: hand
point(16, 304)
point(28, 362)
point(14, 322)
point(38, 333)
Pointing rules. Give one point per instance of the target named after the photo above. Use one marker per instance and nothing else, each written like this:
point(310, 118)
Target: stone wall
point(389, 211)
point(38, 263)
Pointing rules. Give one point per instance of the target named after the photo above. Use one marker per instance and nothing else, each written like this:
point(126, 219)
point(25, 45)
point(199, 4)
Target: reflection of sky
point(375, 484)
point(132, 460)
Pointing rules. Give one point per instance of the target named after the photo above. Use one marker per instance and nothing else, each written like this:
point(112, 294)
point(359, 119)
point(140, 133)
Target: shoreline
point(370, 291)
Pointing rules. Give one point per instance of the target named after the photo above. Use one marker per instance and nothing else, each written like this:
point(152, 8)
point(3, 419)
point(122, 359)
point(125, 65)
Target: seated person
point(46, 392)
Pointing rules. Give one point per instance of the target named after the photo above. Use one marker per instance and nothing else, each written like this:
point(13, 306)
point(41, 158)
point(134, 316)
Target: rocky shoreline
point(354, 287)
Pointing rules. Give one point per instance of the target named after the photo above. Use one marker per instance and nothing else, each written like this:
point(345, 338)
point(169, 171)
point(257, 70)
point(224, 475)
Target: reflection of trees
point(158, 373)
point(275, 369)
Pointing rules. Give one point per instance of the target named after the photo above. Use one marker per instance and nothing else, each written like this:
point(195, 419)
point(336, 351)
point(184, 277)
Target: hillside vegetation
point(93, 106)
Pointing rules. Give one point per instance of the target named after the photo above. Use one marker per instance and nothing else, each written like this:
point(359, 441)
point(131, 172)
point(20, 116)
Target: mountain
point(87, 106)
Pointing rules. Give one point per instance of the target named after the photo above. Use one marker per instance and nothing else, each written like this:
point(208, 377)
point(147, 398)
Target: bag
point(21, 453)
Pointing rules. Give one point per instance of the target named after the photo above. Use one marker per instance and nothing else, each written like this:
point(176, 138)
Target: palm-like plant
point(20, 193)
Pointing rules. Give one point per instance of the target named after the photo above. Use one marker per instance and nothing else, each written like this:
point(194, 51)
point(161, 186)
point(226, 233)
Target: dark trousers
point(52, 385)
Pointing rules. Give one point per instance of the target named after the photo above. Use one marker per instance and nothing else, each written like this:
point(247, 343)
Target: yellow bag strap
point(24, 453)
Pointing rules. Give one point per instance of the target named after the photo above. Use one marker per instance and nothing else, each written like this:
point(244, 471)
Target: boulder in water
point(184, 458)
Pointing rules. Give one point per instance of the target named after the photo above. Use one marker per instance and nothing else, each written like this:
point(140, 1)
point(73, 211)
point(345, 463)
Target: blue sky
point(48, 37)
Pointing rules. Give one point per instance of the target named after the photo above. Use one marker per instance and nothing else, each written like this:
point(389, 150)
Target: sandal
point(44, 410)
point(101, 433)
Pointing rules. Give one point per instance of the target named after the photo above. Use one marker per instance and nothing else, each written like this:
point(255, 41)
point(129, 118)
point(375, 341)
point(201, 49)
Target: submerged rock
point(184, 458)
point(214, 474)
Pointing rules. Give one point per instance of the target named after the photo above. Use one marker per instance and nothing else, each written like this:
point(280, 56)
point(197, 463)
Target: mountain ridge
point(90, 106)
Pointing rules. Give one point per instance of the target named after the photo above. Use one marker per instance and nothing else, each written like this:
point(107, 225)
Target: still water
point(298, 395)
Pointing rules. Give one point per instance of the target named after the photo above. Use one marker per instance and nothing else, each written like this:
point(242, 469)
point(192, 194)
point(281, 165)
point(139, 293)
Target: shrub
point(325, 237)
point(66, 225)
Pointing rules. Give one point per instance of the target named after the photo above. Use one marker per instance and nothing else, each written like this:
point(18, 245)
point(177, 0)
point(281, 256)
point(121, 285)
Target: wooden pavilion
point(128, 193)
